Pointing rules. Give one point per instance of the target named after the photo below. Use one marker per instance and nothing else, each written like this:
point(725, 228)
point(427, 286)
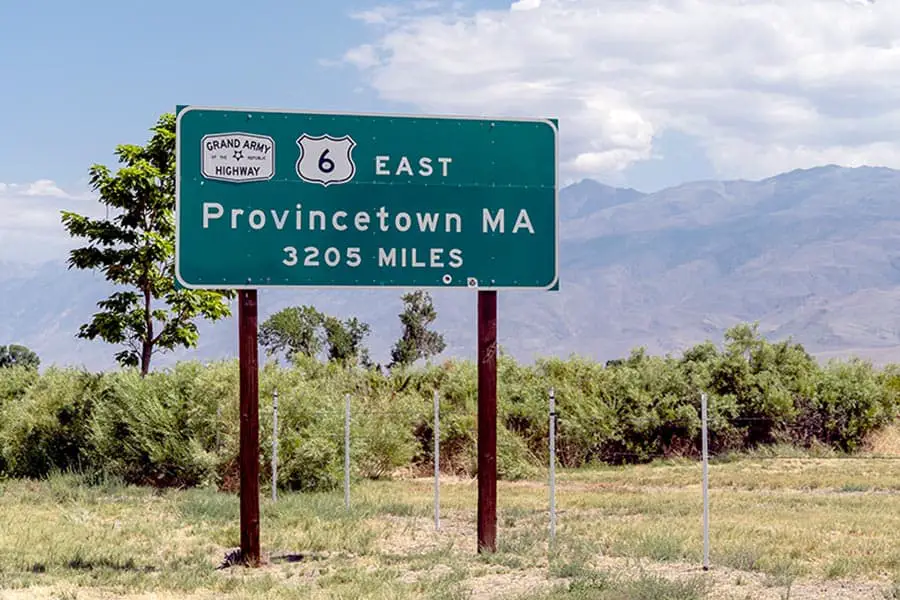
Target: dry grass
point(884, 442)
point(781, 528)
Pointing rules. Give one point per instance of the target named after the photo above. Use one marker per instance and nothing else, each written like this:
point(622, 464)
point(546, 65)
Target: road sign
point(269, 198)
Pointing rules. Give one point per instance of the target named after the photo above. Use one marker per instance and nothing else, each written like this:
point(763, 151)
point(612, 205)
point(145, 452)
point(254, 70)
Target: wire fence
point(705, 456)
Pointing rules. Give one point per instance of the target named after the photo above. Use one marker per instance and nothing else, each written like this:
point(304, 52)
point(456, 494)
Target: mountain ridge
point(811, 253)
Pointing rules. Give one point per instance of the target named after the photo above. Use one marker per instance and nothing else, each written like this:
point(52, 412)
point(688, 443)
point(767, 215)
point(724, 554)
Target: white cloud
point(31, 230)
point(766, 86)
point(362, 56)
point(379, 15)
point(525, 5)
point(45, 187)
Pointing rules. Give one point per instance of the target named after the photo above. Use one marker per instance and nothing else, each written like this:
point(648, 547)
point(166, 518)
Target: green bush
point(46, 426)
point(14, 384)
point(310, 424)
point(850, 402)
point(181, 426)
point(514, 459)
point(157, 430)
point(587, 420)
point(457, 385)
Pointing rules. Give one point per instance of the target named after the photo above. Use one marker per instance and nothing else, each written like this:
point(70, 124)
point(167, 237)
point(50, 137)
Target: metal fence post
point(704, 432)
point(274, 445)
point(347, 451)
point(218, 426)
point(437, 461)
point(552, 465)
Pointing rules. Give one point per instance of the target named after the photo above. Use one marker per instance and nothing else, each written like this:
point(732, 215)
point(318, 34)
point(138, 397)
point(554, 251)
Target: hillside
point(813, 254)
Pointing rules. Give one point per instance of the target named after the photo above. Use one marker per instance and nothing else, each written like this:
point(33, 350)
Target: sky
point(648, 93)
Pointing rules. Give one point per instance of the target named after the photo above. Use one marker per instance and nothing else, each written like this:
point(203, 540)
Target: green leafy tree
point(850, 402)
point(345, 341)
point(15, 355)
point(293, 331)
point(417, 340)
point(766, 382)
point(134, 246)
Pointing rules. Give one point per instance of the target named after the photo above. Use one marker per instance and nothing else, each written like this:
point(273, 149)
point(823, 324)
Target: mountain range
point(810, 254)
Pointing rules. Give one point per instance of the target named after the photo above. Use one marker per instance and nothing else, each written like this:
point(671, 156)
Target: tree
point(135, 248)
point(15, 355)
point(344, 340)
point(767, 383)
point(292, 331)
point(417, 341)
point(303, 330)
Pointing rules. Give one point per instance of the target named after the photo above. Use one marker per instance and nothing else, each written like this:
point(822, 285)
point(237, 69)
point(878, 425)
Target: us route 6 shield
point(326, 159)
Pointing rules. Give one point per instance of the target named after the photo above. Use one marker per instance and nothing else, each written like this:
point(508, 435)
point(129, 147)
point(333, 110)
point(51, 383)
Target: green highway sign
point(268, 198)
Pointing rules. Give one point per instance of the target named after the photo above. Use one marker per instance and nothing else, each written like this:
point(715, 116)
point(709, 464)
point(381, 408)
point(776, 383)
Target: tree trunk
point(147, 344)
point(146, 353)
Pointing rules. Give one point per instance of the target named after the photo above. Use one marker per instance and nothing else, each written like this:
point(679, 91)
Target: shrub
point(180, 426)
point(850, 403)
point(310, 422)
point(156, 430)
point(14, 383)
point(45, 427)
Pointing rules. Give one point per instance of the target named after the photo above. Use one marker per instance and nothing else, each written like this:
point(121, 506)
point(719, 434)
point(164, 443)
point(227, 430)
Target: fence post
point(704, 430)
point(437, 462)
point(552, 466)
point(218, 426)
point(274, 445)
point(347, 451)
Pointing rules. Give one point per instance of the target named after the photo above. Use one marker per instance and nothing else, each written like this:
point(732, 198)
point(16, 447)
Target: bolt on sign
point(269, 198)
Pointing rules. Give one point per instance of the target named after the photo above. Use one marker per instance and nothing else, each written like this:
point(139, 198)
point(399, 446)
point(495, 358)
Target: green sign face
point(280, 199)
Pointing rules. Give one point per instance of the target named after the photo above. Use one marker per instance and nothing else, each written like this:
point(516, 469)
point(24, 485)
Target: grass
point(603, 586)
point(778, 526)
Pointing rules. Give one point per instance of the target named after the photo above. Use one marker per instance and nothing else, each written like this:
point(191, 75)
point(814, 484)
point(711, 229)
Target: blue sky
point(648, 93)
point(83, 77)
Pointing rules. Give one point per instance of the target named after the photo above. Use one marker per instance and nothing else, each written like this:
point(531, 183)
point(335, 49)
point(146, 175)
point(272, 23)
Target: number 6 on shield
point(326, 159)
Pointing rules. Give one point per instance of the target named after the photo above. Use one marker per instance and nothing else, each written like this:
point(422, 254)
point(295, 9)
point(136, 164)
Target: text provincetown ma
point(497, 221)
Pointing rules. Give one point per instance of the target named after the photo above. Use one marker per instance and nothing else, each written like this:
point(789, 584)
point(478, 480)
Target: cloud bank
point(765, 86)
point(31, 230)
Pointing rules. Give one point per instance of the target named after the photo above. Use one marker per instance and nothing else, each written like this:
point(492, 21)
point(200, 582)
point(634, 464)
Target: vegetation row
point(179, 427)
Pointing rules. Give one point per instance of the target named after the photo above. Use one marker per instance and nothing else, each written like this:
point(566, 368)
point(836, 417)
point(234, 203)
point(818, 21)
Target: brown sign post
point(249, 405)
point(487, 421)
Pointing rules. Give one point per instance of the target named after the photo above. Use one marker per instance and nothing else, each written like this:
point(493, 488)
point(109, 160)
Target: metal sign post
point(487, 421)
point(249, 434)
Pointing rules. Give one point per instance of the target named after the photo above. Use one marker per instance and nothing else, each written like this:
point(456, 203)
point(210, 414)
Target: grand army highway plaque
point(268, 198)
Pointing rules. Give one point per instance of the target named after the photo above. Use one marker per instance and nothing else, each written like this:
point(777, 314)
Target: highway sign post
point(270, 198)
